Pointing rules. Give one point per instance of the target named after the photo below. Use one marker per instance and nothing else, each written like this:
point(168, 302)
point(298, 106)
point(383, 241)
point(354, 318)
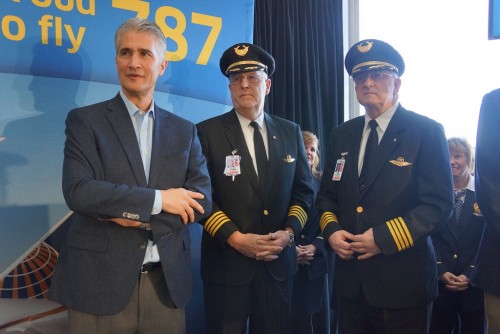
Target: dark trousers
point(316, 323)
point(359, 317)
point(149, 311)
point(450, 316)
point(263, 305)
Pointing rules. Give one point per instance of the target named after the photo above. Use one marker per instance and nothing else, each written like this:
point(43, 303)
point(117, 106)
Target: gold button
point(359, 209)
point(266, 212)
point(455, 256)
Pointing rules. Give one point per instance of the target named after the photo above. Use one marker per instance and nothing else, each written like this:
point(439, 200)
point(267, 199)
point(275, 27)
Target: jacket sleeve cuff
point(328, 224)
point(219, 226)
point(393, 236)
point(296, 219)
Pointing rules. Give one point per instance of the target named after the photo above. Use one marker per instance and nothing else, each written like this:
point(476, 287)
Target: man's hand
point(365, 245)
point(181, 202)
point(340, 243)
point(454, 283)
point(256, 246)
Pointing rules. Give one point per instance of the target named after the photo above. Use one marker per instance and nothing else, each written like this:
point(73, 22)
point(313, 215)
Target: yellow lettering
point(90, 10)
point(21, 28)
point(76, 42)
point(176, 34)
point(42, 3)
point(65, 7)
point(141, 7)
point(216, 24)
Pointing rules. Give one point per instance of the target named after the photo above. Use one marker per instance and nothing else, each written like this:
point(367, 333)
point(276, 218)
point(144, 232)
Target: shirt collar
point(132, 108)
point(383, 119)
point(245, 122)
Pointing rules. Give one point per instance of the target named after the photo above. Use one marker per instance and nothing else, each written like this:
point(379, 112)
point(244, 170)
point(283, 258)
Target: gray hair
point(138, 24)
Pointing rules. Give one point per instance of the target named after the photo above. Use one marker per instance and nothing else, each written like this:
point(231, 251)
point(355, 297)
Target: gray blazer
point(103, 177)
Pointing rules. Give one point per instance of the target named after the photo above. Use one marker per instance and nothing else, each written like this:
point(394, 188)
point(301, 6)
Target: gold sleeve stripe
point(391, 229)
point(298, 212)
point(407, 232)
point(327, 218)
point(400, 233)
point(215, 222)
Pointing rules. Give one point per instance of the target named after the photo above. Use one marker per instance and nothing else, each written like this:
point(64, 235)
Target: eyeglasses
point(236, 79)
point(374, 76)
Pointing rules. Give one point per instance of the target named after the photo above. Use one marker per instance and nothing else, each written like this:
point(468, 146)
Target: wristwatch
point(291, 235)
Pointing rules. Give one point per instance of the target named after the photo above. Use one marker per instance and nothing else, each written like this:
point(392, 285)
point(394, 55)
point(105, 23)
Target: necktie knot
point(373, 125)
point(459, 195)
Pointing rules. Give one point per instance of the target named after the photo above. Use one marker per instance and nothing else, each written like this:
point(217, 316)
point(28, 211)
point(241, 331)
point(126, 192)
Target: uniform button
point(142, 245)
point(303, 236)
point(455, 256)
point(359, 209)
point(266, 212)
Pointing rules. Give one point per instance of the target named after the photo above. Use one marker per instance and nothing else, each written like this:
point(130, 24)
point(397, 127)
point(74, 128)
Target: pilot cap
point(372, 54)
point(246, 57)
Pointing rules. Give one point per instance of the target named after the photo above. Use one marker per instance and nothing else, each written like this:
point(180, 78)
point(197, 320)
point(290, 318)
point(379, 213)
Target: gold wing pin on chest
point(400, 162)
point(288, 159)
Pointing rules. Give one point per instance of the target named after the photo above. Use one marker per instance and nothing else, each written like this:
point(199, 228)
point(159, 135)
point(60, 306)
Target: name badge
point(339, 168)
point(233, 167)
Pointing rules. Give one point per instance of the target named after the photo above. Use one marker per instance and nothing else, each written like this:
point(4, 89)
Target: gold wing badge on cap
point(241, 50)
point(400, 162)
point(288, 159)
point(365, 46)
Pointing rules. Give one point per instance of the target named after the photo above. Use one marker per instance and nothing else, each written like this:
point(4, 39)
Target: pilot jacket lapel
point(120, 121)
point(235, 137)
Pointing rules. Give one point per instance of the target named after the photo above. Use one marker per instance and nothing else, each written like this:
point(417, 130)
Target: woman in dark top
point(459, 307)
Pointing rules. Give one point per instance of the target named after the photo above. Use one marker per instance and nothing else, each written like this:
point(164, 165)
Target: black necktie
point(260, 154)
point(371, 147)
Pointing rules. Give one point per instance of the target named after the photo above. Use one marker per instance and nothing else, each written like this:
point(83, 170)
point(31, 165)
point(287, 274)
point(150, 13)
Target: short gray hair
point(138, 24)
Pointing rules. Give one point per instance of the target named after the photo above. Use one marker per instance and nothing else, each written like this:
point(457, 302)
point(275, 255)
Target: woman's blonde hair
point(462, 145)
point(310, 138)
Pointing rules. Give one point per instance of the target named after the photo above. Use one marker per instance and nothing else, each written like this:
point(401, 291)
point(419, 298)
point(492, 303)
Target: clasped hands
point(453, 282)
point(260, 247)
point(347, 245)
point(305, 254)
point(177, 201)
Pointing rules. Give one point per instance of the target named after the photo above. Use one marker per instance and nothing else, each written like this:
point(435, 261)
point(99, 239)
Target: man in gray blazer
point(135, 176)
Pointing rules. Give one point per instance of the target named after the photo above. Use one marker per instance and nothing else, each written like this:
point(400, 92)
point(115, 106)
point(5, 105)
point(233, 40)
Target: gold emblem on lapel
point(400, 162)
point(288, 159)
point(476, 212)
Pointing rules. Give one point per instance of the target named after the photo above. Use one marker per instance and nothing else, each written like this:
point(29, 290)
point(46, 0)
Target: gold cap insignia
point(400, 162)
point(365, 46)
point(288, 159)
point(241, 50)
